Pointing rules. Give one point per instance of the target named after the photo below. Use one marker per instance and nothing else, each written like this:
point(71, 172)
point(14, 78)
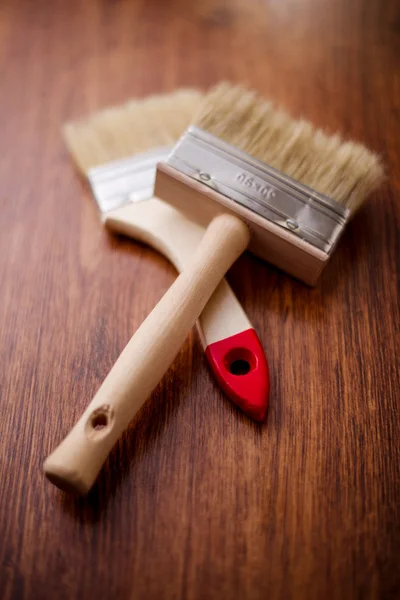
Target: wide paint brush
point(265, 181)
point(116, 150)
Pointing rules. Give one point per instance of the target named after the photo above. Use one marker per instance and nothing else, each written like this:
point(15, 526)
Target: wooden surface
point(196, 501)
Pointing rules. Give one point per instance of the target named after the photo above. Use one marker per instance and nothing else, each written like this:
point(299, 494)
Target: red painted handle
point(241, 368)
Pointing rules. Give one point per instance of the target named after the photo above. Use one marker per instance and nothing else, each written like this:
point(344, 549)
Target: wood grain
point(196, 501)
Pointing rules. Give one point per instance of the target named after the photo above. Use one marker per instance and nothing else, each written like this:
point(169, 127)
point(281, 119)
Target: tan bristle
point(136, 126)
point(344, 171)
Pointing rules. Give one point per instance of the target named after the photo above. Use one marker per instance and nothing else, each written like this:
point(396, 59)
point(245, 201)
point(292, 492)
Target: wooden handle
point(76, 462)
point(167, 230)
point(227, 336)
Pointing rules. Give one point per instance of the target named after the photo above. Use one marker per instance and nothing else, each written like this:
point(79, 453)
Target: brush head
point(134, 127)
point(344, 171)
point(295, 186)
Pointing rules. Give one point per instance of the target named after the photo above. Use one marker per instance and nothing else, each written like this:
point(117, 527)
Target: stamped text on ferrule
point(266, 191)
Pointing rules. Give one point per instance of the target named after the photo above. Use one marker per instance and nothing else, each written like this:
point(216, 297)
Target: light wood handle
point(167, 230)
point(76, 462)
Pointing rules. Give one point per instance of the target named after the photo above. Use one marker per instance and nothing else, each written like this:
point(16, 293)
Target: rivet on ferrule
point(292, 225)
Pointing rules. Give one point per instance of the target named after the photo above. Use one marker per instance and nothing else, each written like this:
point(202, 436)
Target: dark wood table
point(196, 500)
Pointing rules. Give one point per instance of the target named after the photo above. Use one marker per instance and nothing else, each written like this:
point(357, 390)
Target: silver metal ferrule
point(131, 179)
point(275, 196)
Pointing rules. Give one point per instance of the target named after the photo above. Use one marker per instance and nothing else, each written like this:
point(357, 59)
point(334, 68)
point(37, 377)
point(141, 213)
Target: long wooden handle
point(76, 462)
point(167, 230)
point(225, 331)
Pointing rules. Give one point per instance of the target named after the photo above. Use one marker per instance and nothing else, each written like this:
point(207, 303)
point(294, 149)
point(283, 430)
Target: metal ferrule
point(128, 180)
point(251, 183)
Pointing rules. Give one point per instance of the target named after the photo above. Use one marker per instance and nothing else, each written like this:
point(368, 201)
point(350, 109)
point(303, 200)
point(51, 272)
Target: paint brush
point(116, 150)
point(265, 182)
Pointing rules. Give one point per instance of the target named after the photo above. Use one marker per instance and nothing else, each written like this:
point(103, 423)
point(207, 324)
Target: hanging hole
point(240, 361)
point(239, 367)
point(100, 420)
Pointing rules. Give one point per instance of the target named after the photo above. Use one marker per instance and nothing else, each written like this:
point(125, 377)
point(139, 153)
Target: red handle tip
point(241, 369)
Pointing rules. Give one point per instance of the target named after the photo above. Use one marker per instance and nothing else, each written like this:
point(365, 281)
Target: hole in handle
point(99, 421)
point(240, 361)
point(239, 367)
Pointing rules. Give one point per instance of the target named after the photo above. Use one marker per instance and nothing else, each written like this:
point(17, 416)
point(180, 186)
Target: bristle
point(344, 171)
point(136, 126)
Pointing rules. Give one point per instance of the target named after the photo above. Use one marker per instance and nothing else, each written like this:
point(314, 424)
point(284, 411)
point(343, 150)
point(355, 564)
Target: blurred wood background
point(197, 501)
